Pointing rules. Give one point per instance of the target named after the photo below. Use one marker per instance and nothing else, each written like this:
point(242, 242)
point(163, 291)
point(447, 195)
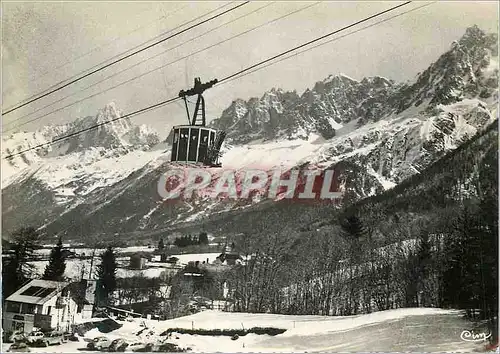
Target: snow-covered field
point(414, 329)
point(201, 257)
point(75, 266)
point(88, 251)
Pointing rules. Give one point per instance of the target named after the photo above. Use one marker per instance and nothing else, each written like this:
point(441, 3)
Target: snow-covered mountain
point(324, 109)
point(376, 132)
point(105, 154)
point(468, 70)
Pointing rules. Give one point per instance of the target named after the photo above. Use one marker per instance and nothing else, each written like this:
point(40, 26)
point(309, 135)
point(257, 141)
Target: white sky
point(39, 37)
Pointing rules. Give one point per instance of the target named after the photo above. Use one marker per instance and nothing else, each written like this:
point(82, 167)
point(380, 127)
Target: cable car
point(196, 143)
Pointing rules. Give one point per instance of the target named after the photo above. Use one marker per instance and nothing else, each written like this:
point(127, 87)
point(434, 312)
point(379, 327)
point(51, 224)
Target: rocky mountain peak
point(120, 135)
point(475, 37)
point(465, 71)
point(108, 135)
point(112, 188)
point(280, 114)
point(462, 72)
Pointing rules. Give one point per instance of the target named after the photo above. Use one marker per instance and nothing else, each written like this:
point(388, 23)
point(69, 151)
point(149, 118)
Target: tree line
point(186, 240)
point(433, 243)
point(446, 260)
point(190, 240)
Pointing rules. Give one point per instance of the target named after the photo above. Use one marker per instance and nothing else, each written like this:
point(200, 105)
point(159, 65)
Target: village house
point(138, 261)
point(42, 304)
point(229, 256)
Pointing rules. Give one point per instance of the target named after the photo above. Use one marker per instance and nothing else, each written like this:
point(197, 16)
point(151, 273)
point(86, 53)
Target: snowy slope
point(412, 329)
point(106, 154)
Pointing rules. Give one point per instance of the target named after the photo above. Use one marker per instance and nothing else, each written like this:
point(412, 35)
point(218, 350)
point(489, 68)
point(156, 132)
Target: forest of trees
point(190, 240)
point(447, 259)
point(431, 243)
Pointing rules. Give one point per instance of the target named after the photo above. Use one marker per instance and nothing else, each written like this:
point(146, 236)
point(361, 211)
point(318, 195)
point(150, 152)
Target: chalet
point(229, 256)
point(138, 261)
point(165, 258)
point(40, 303)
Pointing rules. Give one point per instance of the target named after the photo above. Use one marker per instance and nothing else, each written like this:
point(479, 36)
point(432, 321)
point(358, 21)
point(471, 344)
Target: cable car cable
point(123, 53)
point(107, 44)
point(123, 58)
point(171, 100)
point(314, 41)
point(120, 72)
point(151, 71)
point(330, 41)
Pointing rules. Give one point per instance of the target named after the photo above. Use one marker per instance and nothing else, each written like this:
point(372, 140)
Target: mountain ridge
point(107, 180)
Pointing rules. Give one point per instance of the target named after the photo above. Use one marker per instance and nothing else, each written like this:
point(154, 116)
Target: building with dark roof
point(229, 256)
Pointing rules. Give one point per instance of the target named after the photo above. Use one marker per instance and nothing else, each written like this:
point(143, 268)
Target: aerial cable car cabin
point(195, 142)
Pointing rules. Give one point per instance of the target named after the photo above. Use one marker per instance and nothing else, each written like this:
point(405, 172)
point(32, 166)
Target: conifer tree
point(353, 227)
point(57, 263)
point(203, 238)
point(106, 276)
point(16, 269)
point(353, 231)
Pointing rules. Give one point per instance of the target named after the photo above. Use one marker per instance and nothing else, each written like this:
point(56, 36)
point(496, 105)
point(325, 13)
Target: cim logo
point(294, 185)
point(471, 336)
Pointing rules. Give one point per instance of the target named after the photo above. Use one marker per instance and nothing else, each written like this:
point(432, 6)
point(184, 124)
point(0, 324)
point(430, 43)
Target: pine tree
point(353, 227)
point(57, 263)
point(15, 267)
point(161, 245)
point(353, 231)
point(203, 238)
point(107, 276)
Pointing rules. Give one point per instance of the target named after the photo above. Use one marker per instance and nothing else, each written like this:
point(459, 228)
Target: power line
point(123, 58)
point(143, 110)
point(314, 41)
point(124, 70)
point(327, 42)
point(155, 69)
point(123, 53)
point(330, 41)
point(226, 79)
point(107, 44)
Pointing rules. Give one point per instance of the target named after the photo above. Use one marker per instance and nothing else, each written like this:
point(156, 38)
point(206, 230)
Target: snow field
point(409, 329)
point(75, 266)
